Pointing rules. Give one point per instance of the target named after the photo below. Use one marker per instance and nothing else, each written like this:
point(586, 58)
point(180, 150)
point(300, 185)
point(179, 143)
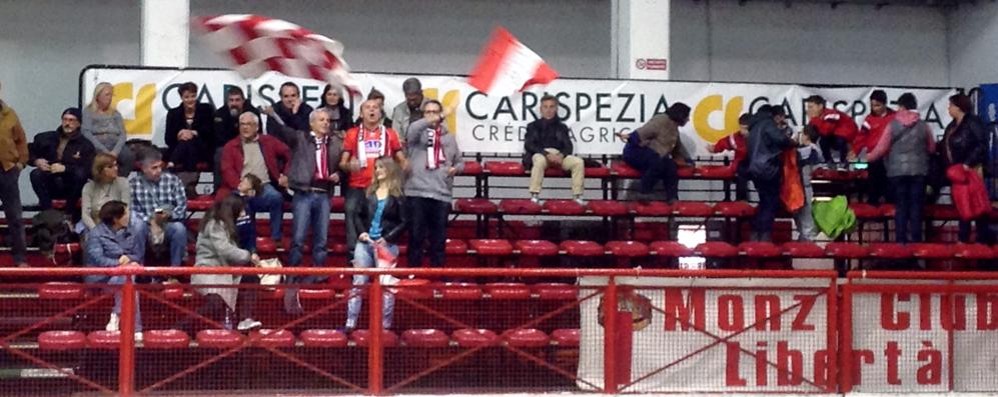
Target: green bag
point(834, 217)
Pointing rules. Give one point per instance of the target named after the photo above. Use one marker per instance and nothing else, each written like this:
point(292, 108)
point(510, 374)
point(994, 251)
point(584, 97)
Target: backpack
point(51, 227)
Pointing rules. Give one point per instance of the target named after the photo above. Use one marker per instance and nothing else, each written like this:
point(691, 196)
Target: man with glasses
point(62, 160)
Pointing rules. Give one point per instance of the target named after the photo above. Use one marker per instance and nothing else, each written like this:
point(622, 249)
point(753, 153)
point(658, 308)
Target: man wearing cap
point(62, 160)
point(410, 110)
point(13, 157)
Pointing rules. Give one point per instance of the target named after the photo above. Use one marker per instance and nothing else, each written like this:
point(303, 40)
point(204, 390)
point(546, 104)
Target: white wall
point(973, 44)
point(763, 41)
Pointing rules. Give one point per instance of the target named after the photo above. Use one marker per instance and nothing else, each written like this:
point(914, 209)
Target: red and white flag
point(256, 44)
point(507, 66)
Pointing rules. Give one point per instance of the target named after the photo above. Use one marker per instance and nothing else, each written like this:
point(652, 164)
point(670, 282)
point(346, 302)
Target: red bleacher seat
point(734, 209)
point(338, 204)
point(536, 247)
point(888, 210)
point(526, 338)
point(651, 208)
point(717, 249)
point(556, 291)
point(597, 172)
point(469, 338)
point(325, 338)
point(273, 338)
point(866, 211)
point(931, 250)
point(316, 293)
point(266, 246)
point(846, 250)
point(941, 212)
point(890, 251)
point(427, 338)
point(471, 168)
point(803, 249)
point(478, 206)
point(59, 204)
point(566, 337)
point(165, 339)
point(582, 248)
point(172, 292)
point(621, 169)
point(508, 291)
point(608, 208)
point(672, 249)
point(460, 291)
point(564, 207)
point(838, 175)
point(62, 340)
point(519, 206)
point(200, 203)
point(104, 340)
point(716, 172)
point(505, 168)
point(973, 251)
point(692, 209)
point(760, 249)
point(456, 247)
point(61, 290)
point(219, 339)
point(492, 247)
point(628, 249)
point(686, 172)
point(66, 248)
point(416, 289)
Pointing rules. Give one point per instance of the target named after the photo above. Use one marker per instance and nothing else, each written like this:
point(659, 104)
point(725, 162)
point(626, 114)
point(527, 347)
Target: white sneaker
point(581, 201)
point(138, 337)
point(112, 323)
point(535, 199)
point(248, 324)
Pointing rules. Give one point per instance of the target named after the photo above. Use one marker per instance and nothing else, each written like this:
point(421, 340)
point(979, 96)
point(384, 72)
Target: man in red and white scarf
point(362, 146)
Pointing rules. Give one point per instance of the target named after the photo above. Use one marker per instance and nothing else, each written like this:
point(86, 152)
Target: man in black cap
point(410, 110)
point(62, 160)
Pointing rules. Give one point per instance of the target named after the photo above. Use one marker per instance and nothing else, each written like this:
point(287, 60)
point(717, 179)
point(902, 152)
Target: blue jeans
point(909, 197)
point(355, 201)
point(429, 222)
point(117, 281)
point(271, 201)
point(309, 209)
point(175, 237)
point(363, 257)
point(769, 204)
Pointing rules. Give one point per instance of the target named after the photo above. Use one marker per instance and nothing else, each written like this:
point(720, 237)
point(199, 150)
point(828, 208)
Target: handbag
point(271, 279)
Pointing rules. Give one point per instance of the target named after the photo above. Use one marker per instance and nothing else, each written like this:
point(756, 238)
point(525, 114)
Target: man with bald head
point(266, 158)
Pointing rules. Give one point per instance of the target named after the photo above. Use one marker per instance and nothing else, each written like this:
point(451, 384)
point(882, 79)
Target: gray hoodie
point(423, 182)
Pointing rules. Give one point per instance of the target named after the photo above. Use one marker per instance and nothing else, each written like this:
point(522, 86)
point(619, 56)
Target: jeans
point(769, 203)
point(10, 196)
point(984, 234)
point(117, 281)
point(271, 201)
point(429, 222)
point(876, 185)
point(355, 201)
point(175, 239)
point(65, 185)
point(741, 182)
point(654, 168)
point(364, 258)
point(909, 199)
point(309, 209)
point(216, 175)
point(832, 142)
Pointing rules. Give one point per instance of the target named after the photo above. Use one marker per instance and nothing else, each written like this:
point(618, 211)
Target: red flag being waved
point(507, 66)
point(256, 44)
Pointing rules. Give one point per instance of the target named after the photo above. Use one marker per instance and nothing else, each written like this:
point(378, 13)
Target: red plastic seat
point(716, 172)
point(519, 206)
point(59, 204)
point(536, 247)
point(425, 338)
point(219, 339)
point(566, 337)
point(66, 248)
point(325, 338)
point(838, 175)
point(692, 209)
point(456, 247)
point(973, 251)
point(316, 293)
point(62, 340)
point(622, 170)
point(608, 208)
point(362, 338)
point(846, 250)
point(200, 203)
point(508, 291)
point(505, 168)
point(165, 339)
point(173, 292)
point(266, 246)
point(597, 172)
point(941, 212)
point(564, 207)
point(803, 249)
point(104, 340)
point(890, 251)
point(734, 209)
point(582, 248)
point(628, 249)
point(651, 208)
point(671, 249)
point(526, 338)
point(338, 204)
point(61, 291)
point(865, 211)
point(273, 338)
point(491, 247)
point(760, 249)
point(717, 249)
point(477, 206)
point(470, 338)
point(931, 250)
point(686, 172)
point(556, 291)
point(888, 210)
point(416, 288)
point(461, 291)
point(471, 168)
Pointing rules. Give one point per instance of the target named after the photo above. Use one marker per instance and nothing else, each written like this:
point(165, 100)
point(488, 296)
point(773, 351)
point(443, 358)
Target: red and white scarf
point(363, 144)
point(434, 148)
point(321, 158)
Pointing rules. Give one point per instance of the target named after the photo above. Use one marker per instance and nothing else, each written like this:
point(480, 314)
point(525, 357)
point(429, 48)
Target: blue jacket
point(766, 144)
point(104, 246)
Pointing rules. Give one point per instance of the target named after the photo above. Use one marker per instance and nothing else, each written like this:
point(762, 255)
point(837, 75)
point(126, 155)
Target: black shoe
point(292, 305)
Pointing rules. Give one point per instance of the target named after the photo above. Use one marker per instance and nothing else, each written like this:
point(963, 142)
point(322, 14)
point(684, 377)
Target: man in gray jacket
point(434, 159)
point(408, 111)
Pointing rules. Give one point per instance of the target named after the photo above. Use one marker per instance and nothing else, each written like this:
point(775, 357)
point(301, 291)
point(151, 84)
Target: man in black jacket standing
point(548, 144)
point(62, 160)
point(766, 144)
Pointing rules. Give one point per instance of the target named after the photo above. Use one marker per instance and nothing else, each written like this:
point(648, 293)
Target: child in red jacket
point(835, 128)
point(737, 143)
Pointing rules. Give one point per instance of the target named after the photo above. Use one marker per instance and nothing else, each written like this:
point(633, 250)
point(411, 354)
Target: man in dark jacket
point(766, 144)
point(965, 143)
point(292, 111)
point(62, 159)
point(227, 125)
point(548, 144)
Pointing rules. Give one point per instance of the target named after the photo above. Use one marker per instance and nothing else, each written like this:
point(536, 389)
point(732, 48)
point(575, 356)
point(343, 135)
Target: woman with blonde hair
point(385, 219)
point(105, 185)
point(105, 128)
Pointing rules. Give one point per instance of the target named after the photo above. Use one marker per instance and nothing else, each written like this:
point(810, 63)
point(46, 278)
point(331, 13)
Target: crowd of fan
point(396, 175)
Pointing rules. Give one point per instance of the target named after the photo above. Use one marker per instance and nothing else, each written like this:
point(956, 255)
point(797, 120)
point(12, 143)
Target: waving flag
point(507, 66)
point(256, 45)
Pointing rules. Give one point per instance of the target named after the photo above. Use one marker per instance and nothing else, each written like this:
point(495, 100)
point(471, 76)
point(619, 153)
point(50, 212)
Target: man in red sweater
point(736, 143)
point(869, 134)
point(835, 128)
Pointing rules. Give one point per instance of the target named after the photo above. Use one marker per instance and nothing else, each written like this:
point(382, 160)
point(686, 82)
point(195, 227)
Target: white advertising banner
point(594, 109)
point(713, 335)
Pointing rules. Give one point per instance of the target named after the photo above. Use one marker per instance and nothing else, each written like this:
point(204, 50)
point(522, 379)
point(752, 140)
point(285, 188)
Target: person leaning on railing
point(112, 243)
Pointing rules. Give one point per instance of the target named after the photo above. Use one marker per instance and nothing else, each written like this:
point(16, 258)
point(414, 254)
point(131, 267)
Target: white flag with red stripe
point(255, 45)
point(507, 66)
